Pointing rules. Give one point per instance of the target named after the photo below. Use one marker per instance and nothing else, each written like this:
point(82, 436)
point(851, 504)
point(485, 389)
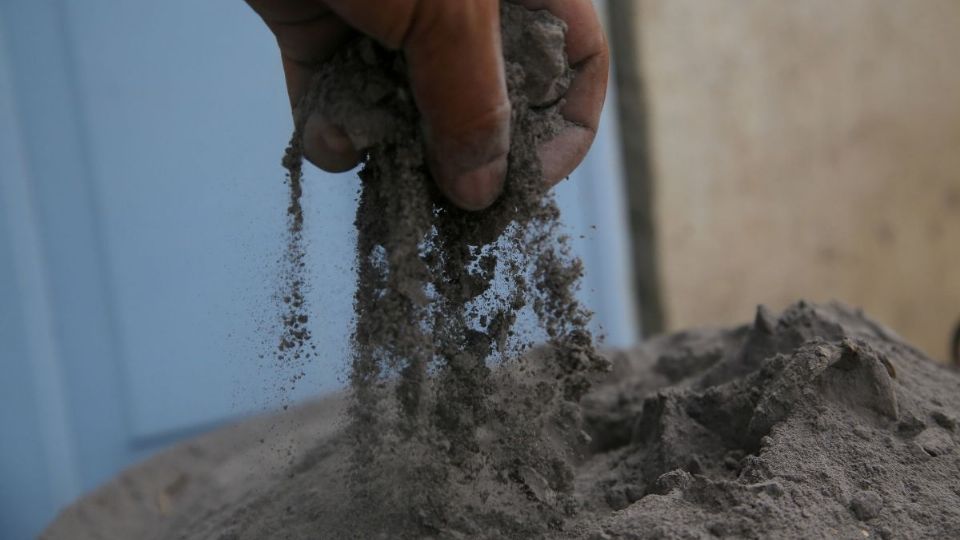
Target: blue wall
point(141, 214)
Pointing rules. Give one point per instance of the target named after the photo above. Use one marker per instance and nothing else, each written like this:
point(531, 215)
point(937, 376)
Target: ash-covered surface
point(817, 423)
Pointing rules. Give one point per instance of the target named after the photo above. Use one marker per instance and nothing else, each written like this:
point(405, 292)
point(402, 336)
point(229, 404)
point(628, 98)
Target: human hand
point(457, 77)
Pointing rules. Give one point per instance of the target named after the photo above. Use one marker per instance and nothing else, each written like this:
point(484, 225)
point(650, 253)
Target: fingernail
point(477, 188)
point(328, 146)
point(334, 137)
point(560, 155)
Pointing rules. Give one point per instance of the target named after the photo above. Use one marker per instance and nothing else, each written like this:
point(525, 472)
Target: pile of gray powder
point(817, 423)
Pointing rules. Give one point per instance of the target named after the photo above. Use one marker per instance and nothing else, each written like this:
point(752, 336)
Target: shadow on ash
point(815, 423)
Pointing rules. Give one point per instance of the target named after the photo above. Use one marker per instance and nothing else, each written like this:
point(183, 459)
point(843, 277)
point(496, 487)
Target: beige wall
point(806, 149)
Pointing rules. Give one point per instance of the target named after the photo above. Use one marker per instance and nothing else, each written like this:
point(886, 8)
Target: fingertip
point(560, 155)
point(327, 146)
point(477, 188)
point(469, 164)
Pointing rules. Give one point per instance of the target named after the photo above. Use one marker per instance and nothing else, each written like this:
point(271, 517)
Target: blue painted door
point(141, 217)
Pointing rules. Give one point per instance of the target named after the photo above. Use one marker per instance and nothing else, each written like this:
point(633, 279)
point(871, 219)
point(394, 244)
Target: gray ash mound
point(819, 423)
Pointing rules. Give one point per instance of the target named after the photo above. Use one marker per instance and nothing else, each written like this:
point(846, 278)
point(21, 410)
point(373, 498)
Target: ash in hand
point(440, 290)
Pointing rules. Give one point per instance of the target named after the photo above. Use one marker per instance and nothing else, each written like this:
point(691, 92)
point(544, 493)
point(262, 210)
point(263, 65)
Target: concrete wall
point(806, 149)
